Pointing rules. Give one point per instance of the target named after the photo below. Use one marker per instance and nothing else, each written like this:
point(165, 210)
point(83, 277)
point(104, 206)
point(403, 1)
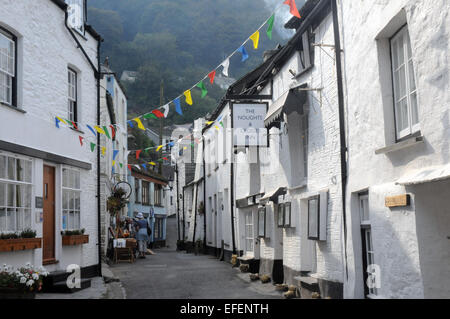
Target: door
point(249, 237)
point(48, 250)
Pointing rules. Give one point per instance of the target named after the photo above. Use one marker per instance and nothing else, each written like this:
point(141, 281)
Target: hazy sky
point(282, 16)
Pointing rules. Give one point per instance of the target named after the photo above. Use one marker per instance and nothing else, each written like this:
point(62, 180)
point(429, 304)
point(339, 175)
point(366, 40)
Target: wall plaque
point(39, 203)
point(398, 201)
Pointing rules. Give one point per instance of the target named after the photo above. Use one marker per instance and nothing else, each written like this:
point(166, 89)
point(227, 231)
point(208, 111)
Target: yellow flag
point(152, 163)
point(185, 148)
point(61, 120)
point(188, 96)
point(100, 130)
point(114, 163)
point(103, 150)
point(255, 38)
point(217, 128)
point(209, 122)
point(159, 147)
point(139, 123)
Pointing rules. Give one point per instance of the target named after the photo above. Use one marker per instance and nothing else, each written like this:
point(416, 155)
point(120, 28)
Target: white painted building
point(113, 170)
point(397, 78)
point(48, 182)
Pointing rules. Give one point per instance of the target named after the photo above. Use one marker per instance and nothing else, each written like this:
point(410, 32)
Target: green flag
point(93, 147)
point(150, 116)
point(202, 86)
point(121, 165)
point(106, 132)
point(270, 28)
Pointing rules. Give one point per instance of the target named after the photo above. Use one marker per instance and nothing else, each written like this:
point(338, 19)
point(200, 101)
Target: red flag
point(81, 140)
point(113, 131)
point(138, 153)
point(211, 76)
point(294, 11)
point(129, 167)
point(158, 113)
point(75, 126)
point(165, 158)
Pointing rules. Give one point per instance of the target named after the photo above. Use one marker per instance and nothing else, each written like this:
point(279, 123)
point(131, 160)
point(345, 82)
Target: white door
point(249, 236)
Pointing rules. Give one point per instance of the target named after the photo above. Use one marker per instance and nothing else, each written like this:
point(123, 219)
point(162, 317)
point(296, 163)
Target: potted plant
point(74, 237)
point(24, 240)
point(22, 283)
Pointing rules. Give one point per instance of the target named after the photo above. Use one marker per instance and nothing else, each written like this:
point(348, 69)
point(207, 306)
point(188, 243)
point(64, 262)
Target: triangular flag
point(61, 120)
point(158, 113)
point(178, 106)
point(293, 8)
point(209, 122)
point(81, 140)
point(226, 65)
point(171, 144)
point(255, 38)
point(57, 121)
point(188, 96)
point(138, 153)
point(106, 132)
point(149, 116)
point(129, 167)
point(159, 148)
point(93, 146)
point(115, 153)
point(139, 123)
point(165, 158)
point(91, 129)
point(185, 148)
point(152, 163)
point(270, 27)
point(202, 87)
point(99, 129)
point(137, 166)
point(221, 123)
point(217, 128)
point(244, 53)
point(113, 131)
point(103, 150)
point(74, 125)
point(166, 110)
point(212, 76)
point(144, 166)
point(113, 163)
point(130, 123)
point(121, 165)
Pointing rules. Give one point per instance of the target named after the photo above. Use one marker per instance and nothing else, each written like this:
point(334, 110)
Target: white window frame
point(403, 42)
point(7, 68)
point(70, 210)
point(25, 207)
point(72, 95)
point(249, 234)
point(76, 19)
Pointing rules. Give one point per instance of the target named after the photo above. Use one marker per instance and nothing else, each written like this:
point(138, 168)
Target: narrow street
point(176, 275)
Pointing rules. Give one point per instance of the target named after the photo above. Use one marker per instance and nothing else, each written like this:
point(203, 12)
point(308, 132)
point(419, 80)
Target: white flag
point(226, 65)
point(166, 110)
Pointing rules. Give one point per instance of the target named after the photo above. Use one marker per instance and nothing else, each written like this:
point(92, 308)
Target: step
point(55, 277)
point(61, 287)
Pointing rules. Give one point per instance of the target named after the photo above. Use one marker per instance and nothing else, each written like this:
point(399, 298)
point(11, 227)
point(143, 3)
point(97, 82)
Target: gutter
point(97, 76)
point(343, 138)
point(178, 203)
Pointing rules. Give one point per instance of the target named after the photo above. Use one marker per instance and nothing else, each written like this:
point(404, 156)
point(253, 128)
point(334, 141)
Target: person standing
point(142, 235)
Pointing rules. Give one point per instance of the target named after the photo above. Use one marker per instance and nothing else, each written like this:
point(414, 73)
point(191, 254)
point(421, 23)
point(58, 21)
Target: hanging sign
point(248, 124)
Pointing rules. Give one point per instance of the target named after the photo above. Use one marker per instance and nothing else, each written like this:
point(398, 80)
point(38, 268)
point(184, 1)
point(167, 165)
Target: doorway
point(48, 249)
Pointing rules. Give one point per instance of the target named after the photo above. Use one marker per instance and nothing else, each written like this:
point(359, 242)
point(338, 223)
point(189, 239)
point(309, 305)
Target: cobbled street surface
point(176, 275)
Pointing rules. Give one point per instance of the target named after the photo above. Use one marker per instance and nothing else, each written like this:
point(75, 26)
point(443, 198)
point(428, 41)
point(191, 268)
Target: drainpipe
point(195, 214)
point(337, 43)
point(232, 188)
point(178, 203)
point(97, 72)
point(204, 195)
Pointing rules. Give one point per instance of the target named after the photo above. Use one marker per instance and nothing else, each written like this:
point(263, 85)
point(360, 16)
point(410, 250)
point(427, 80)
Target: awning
point(291, 101)
point(426, 175)
point(273, 196)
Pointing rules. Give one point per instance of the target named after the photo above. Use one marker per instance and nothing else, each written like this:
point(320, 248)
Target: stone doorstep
point(306, 282)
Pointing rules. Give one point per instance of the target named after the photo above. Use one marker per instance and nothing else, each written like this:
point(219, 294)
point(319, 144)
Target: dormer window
point(77, 14)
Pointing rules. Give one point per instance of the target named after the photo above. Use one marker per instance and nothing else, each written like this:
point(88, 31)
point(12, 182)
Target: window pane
point(395, 63)
point(27, 218)
point(71, 201)
point(65, 199)
point(2, 165)
point(65, 178)
point(19, 219)
point(402, 115)
point(2, 219)
point(412, 80)
point(313, 218)
point(287, 215)
point(77, 201)
point(414, 110)
point(11, 168)
point(76, 222)
point(77, 180)
point(11, 219)
point(71, 220)
point(2, 194)
point(400, 51)
point(10, 193)
point(65, 219)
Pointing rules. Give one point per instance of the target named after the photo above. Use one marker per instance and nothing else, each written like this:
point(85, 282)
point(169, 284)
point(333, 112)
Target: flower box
point(20, 244)
point(73, 240)
point(14, 293)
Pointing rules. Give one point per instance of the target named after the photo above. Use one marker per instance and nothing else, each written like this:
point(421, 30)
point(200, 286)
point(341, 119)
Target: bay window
point(15, 193)
point(71, 194)
point(405, 90)
point(8, 60)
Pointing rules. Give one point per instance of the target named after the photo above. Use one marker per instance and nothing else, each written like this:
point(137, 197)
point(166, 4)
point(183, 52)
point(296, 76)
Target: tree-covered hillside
point(177, 41)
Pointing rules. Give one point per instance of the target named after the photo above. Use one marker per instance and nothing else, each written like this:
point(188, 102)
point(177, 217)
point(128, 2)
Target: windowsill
point(15, 108)
point(303, 184)
point(374, 297)
point(409, 142)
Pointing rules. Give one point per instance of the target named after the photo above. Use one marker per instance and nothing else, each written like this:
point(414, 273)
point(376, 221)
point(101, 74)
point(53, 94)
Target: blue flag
point(131, 124)
point(57, 122)
point(244, 53)
point(144, 166)
point(178, 106)
point(92, 130)
point(115, 153)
